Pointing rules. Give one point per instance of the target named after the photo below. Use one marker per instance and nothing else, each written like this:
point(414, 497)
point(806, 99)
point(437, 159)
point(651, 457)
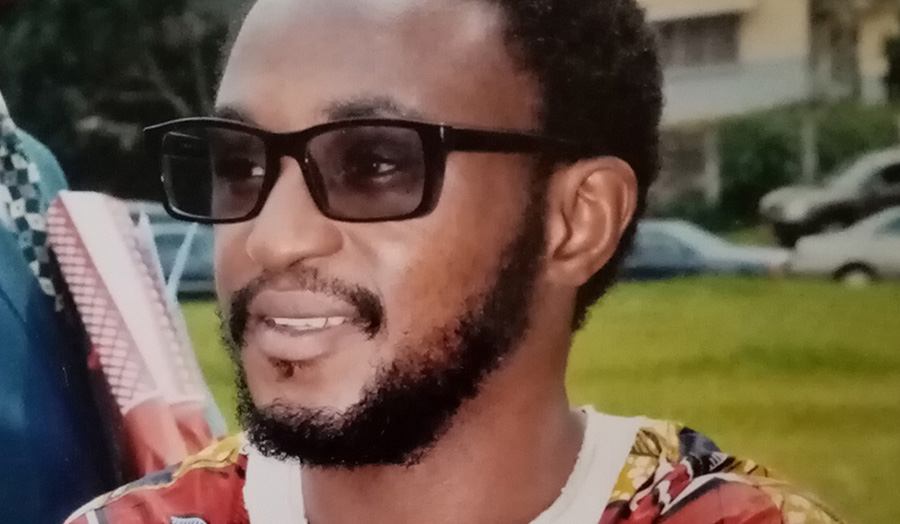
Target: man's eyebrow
point(372, 107)
point(233, 113)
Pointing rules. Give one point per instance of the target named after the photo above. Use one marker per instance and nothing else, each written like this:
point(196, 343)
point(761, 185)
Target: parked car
point(858, 255)
point(169, 234)
point(672, 248)
point(864, 187)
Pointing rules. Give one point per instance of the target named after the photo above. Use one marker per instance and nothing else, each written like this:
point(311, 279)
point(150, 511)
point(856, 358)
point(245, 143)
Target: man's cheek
point(433, 291)
point(232, 265)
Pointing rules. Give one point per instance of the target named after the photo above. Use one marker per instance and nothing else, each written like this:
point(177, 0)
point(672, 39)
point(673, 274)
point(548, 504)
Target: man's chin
point(291, 409)
point(326, 437)
point(300, 393)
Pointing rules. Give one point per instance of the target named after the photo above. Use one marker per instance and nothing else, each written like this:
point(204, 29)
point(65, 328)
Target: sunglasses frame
point(438, 140)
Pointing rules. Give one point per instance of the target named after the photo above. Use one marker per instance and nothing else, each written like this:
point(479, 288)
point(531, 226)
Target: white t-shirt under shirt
point(270, 492)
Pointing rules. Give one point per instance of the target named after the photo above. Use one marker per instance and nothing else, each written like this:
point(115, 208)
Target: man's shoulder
point(206, 488)
point(677, 474)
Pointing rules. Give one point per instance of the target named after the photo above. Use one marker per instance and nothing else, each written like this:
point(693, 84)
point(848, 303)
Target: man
point(53, 458)
point(399, 296)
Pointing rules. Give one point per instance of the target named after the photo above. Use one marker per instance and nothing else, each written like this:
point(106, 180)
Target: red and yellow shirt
point(667, 473)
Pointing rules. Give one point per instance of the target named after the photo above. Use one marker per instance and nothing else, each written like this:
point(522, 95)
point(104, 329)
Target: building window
point(695, 42)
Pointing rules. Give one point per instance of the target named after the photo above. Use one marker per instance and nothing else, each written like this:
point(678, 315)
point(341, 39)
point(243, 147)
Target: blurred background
point(762, 298)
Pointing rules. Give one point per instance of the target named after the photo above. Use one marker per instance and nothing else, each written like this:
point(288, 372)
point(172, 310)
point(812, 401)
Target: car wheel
point(856, 276)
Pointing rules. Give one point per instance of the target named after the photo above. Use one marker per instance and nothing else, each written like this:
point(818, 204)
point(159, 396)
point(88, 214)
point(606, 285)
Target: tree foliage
point(85, 77)
point(762, 151)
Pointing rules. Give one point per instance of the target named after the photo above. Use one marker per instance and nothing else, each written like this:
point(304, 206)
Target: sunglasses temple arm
point(475, 141)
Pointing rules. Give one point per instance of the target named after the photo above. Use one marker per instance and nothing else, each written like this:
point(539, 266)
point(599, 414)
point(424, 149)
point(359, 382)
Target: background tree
point(85, 77)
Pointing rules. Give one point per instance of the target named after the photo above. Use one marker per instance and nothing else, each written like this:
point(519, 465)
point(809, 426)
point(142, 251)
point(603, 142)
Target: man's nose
point(290, 228)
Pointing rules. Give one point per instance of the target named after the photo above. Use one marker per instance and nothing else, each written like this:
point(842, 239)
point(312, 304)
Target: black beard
point(411, 404)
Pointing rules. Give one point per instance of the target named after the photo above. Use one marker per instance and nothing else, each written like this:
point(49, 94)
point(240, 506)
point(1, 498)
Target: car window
point(692, 237)
point(890, 175)
point(856, 175)
point(657, 248)
point(167, 245)
point(199, 263)
point(169, 240)
point(641, 250)
point(891, 228)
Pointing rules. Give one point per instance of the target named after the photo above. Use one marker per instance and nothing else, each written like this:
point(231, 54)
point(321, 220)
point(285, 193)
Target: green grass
point(203, 324)
point(803, 376)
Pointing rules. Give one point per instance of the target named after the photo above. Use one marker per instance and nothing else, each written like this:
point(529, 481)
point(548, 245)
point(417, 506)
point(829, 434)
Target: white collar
point(273, 489)
point(273, 493)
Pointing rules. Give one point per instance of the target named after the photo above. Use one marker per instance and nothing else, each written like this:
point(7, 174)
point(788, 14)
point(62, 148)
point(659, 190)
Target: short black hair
point(601, 84)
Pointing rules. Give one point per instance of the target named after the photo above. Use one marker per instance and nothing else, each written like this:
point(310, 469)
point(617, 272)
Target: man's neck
point(503, 461)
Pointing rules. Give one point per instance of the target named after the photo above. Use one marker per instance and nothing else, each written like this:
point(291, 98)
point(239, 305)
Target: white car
point(864, 252)
point(865, 186)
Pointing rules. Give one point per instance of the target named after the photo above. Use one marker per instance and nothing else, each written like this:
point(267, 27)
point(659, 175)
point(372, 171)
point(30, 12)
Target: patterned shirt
point(669, 473)
point(21, 194)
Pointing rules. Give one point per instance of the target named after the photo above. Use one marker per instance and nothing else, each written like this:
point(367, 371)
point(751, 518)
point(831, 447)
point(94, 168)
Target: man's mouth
point(304, 324)
point(294, 326)
point(300, 339)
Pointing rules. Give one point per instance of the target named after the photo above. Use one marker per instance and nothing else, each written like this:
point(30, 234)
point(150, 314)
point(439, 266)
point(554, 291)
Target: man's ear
point(590, 204)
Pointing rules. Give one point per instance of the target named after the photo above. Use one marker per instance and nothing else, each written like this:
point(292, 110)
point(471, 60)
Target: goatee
point(409, 404)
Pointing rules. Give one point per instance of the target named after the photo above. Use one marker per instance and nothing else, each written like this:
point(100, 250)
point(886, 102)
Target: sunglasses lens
point(213, 172)
point(369, 172)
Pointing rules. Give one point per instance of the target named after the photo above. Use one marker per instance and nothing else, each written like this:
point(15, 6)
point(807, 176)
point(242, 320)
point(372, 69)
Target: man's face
point(412, 291)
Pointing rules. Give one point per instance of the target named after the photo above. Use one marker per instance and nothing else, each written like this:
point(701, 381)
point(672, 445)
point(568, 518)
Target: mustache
point(368, 306)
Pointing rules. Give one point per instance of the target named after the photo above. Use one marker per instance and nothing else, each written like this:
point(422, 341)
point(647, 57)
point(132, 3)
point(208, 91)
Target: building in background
point(730, 57)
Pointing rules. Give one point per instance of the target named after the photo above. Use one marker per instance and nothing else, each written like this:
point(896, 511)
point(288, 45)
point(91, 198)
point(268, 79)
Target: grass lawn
point(803, 376)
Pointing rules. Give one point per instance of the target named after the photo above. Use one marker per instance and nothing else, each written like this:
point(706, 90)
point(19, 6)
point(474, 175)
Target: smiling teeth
point(309, 323)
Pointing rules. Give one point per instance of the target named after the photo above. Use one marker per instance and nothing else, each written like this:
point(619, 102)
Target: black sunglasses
point(219, 171)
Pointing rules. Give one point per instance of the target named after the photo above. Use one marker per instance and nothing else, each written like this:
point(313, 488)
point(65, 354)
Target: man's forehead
point(385, 8)
point(335, 57)
point(290, 13)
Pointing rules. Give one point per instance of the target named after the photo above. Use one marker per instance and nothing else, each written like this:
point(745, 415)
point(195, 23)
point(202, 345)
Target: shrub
point(848, 130)
point(759, 152)
point(692, 206)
